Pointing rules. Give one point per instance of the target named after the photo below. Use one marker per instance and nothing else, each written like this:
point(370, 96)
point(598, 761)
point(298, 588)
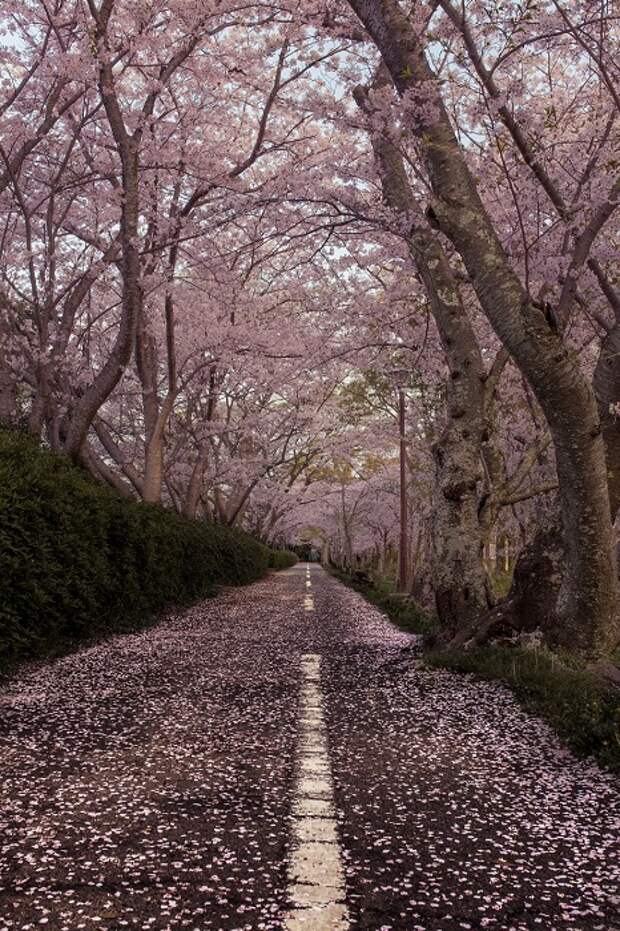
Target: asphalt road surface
point(277, 758)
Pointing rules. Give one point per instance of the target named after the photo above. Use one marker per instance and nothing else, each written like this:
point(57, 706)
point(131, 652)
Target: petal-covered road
point(152, 781)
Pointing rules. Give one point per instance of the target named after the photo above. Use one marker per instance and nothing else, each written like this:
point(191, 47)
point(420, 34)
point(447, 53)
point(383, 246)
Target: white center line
point(316, 875)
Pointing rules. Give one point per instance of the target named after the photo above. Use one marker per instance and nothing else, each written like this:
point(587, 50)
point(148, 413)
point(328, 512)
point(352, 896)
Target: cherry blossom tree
point(224, 225)
point(532, 335)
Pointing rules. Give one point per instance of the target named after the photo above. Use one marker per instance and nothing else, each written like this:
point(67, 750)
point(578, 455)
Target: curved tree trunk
point(128, 150)
point(97, 467)
point(531, 602)
point(459, 578)
point(591, 602)
point(607, 389)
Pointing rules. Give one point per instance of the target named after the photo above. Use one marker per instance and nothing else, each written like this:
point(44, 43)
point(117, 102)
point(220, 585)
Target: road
point(277, 758)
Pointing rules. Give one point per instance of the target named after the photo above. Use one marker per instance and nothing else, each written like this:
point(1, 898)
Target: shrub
point(282, 559)
point(584, 711)
point(76, 559)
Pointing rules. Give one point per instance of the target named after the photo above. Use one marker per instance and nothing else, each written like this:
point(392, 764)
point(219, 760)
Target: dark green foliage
point(402, 610)
point(584, 711)
point(77, 560)
point(282, 559)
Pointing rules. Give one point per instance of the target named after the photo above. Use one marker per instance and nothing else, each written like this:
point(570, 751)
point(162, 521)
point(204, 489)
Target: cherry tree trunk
point(607, 389)
point(156, 412)
point(459, 577)
point(591, 598)
point(531, 602)
point(107, 379)
point(153, 469)
point(194, 488)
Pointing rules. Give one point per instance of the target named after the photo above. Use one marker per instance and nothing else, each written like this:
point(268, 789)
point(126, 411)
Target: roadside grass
point(401, 610)
point(583, 710)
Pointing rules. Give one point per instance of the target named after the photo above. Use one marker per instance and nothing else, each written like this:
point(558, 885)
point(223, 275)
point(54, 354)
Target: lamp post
point(400, 378)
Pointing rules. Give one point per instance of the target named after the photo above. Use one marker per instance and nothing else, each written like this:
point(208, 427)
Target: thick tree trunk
point(458, 572)
point(591, 601)
point(531, 602)
point(459, 579)
point(607, 389)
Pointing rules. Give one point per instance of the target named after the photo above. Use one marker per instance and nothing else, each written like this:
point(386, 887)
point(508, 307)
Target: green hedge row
point(282, 559)
point(76, 559)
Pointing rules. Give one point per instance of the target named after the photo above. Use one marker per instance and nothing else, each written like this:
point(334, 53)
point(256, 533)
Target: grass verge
point(583, 711)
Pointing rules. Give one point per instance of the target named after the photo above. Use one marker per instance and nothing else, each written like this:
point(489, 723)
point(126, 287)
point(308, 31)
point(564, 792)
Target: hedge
point(77, 559)
point(282, 559)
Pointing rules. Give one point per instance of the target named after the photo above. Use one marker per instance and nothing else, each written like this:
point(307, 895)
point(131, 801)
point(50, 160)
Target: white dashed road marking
point(316, 875)
point(309, 599)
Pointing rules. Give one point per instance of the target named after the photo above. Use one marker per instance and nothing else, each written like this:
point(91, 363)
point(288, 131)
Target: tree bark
point(104, 383)
point(531, 602)
point(459, 578)
point(591, 600)
point(195, 483)
point(98, 468)
point(128, 146)
point(156, 413)
point(606, 383)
